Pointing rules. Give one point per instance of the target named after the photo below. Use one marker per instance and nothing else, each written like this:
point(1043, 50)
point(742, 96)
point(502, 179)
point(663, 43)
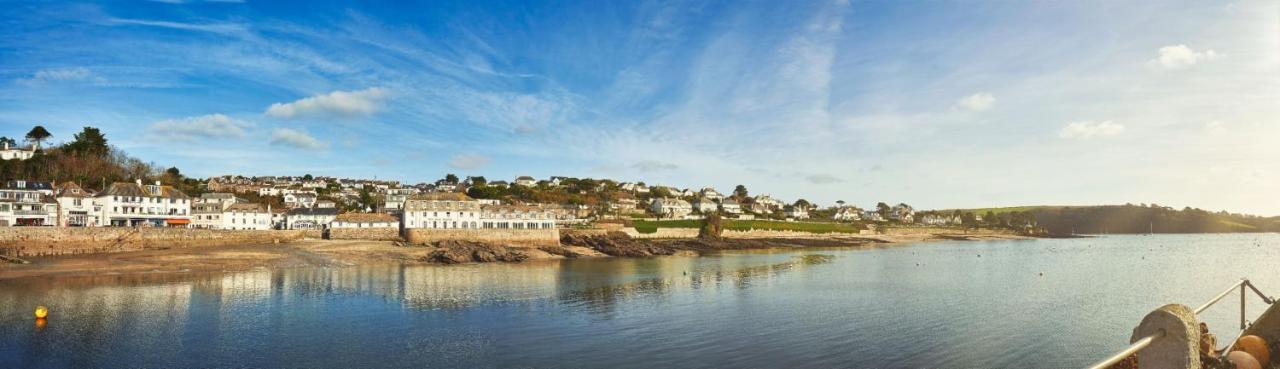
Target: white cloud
point(344, 104)
point(977, 102)
point(1180, 56)
point(1215, 127)
point(823, 179)
point(59, 75)
point(1088, 129)
point(468, 161)
point(296, 139)
point(653, 166)
point(201, 127)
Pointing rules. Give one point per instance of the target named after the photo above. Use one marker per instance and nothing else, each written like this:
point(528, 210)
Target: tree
point(307, 177)
point(803, 204)
point(740, 192)
point(10, 141)
point(883, 209)
point(840, 203)
point(38, 134)
point(450, 178)
point(173, 172)
point(90, 141)
point(478, 181)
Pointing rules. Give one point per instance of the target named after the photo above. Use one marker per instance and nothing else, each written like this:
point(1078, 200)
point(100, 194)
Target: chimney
point(138, 181)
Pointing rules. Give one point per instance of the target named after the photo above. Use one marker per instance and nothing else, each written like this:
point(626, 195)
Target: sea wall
point(663, 233)
point(374, 234)
point(527, 237)
point(942, 230)
point(47, 241)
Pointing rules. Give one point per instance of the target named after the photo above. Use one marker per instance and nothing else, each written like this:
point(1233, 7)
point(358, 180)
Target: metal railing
point(1244, 285)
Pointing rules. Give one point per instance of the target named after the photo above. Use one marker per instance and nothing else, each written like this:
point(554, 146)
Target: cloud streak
point(1089, 129)
point(337, 104)
point(201, 127)
point(295, 139)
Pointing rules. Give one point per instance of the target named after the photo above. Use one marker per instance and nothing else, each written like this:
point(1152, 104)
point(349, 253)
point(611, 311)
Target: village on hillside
point(164, 198)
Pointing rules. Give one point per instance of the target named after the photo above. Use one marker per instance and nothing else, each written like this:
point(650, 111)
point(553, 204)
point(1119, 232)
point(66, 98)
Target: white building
point(847, 214)
point(246, 216)
point(77, 207)
point(670, 208)
point(730, 207)
point(705, 205)
point(299, 200)
point(442, 210)
point(526, 181)
point(796, 212)
point(711, 193)
point(365, 220)
point(10, 153)
point(310, 218)
point(27, 203)
point(127, 204)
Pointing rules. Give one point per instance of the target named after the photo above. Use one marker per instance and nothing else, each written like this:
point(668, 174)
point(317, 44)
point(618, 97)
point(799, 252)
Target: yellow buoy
point(41, 312)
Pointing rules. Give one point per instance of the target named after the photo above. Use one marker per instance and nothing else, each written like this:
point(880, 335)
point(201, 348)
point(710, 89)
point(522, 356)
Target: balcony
point(31, 212)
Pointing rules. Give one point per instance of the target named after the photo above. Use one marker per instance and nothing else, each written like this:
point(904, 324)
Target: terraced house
point(27, 203)
point(443, 210)
point(77, 206)
point(127, 204)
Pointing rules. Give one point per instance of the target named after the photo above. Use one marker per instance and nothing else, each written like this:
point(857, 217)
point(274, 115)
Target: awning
point(177, 221)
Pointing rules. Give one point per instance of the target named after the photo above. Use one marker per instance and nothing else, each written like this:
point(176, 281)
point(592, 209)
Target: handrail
point(1146, 341)
point(1133, 348)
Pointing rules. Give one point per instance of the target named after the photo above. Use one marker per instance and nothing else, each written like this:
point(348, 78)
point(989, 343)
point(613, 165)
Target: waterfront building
point(77, 207)
point(246, 216)
point(310, 218)
point(458, 211)
point(27, 203)
point(365, 220)
point(711, 193)
point(127, 204)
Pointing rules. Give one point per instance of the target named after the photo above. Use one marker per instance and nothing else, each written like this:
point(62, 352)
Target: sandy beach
point(342, 253)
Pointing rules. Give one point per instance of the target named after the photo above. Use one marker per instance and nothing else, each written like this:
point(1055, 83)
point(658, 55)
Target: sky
point(939, 104)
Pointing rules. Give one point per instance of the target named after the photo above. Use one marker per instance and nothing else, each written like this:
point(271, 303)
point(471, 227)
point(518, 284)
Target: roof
point(17, 184)
point(218, 195)
point(247, 207)
point(314, 211)
point(366, 218)
point(524, 178)
point(441, 196)
point(133, 189)
point(71, 189)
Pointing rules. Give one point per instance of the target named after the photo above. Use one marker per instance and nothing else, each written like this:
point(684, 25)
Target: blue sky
point(936, 103)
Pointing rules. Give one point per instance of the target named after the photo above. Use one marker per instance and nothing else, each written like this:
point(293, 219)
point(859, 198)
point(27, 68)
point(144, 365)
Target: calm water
point(954, 305)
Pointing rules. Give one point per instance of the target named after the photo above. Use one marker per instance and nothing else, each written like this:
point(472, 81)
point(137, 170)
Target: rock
point(456, 252)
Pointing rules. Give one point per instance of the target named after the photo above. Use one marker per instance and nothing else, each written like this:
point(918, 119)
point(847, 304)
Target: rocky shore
point(340, 253)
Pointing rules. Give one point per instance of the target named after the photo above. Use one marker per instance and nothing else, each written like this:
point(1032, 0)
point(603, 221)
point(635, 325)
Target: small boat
point(1170, 337)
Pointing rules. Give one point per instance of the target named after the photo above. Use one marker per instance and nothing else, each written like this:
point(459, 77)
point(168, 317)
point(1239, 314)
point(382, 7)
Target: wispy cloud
point(468, 161)
point(823, 179)
point(200, 127)
point(977, 102)
point(1180, 56)
point(296, 139)
point(337, 104)
point(653, 166)
point(54, 75)
point(216, 28)
point(1088, 129)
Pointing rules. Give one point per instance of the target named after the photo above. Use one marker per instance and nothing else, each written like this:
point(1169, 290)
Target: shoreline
point(346, 253)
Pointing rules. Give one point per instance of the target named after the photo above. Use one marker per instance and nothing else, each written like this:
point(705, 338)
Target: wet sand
point(325, 253)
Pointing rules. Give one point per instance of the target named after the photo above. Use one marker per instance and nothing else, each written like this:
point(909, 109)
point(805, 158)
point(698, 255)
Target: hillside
point(1137, 219)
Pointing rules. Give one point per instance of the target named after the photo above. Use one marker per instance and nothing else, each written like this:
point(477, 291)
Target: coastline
point(345, 253)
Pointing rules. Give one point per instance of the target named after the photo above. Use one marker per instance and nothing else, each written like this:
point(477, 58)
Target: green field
point(650, 226)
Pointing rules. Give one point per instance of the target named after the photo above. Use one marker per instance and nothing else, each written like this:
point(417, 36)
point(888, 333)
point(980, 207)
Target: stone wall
point(46, 241)
point(941, 230)
point(663, 233)
point(530, 237)
point(374, 234)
